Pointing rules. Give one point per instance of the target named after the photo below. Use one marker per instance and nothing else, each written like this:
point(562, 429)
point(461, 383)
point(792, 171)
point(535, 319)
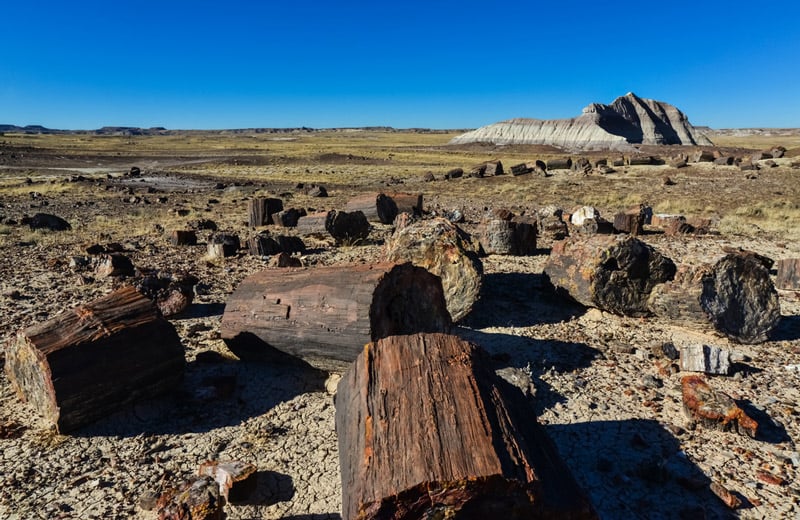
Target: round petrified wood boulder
point(734, 295)
point(615, 274)
point(444, 249)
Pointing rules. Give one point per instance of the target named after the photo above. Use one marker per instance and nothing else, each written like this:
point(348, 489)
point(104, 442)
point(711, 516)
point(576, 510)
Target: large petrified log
point(384, 208)
point(89, 361)
point(427, 430)
point(508, 236)
point(344, 226)
point(444, 249)
point(735, 296)
point(611, 272)
point(325, 315)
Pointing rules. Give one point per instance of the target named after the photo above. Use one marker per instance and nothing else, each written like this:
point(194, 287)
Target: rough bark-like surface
point(516, 236)
point(197, 499)
point(444, 249)
point(222, 245)
point(325, 315)
point(260, 210)
point(559, 164)
point(788, 274)
point(448, 439)
point(94, 359)
point(734, 295)
point(383, 208)
point(347, 226)
point(265, 244)
point(612, 273)
point(713, 408)
point(628, 223)
point(313, 223)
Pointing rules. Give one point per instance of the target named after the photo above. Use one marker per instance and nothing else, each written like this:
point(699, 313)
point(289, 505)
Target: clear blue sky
point(439, 64)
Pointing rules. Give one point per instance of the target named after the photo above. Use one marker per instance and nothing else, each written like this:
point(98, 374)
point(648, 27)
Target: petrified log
point(559, 164)
point(264, 244)
point(520, 169)
point(260, 210)
point(630, 223)
point(223, 245)
point(347, 226)
point(287, 217)
point(448, 439)
point(516, 236)
point(735, 296)
point(114, 265)
point(702, 156)
point(705, 358)
point(181, 237)
point(639, 160)
point(724, 161)
point(713, 408)
point(445, 250)
point(46, 221)
point(611, 272)
point(325, 315)
point(172, 292)
point(196, 499)
point(788, 274)
point(89, 361)
point(581, 164)
point(383, 208)
point(313, 223)
point(455, 173)
point(237, 480)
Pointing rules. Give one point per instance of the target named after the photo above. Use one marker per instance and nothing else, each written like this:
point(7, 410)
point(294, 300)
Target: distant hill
point(628, 120)
point(132, 131)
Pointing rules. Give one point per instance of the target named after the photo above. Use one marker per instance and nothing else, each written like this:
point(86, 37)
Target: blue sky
point(437, 64)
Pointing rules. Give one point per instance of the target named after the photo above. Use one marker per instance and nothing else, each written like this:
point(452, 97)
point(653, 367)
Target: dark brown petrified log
point(325, 315)
point(91, 360)
point(260, 210)
point(611, 272)
point(427, 430)
point(735, 296)
point(383, 208)
point(445, 250)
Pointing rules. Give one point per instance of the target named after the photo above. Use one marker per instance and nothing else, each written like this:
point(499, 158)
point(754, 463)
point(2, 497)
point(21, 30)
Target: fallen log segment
point(788, 274)
point(383, 208)
point(512, 236)
point(325, 315)
point(735, 296)
point(614, 273)
point(260, 210)
point(444, 249)
point(344, 226)
point(427, 430)
point(89, 361)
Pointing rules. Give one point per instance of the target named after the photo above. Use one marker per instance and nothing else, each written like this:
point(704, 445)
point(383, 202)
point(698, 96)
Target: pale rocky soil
point(610, 406)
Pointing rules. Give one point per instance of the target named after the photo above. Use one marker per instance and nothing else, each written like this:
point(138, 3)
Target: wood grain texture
point(89, 361)
point(325, 315)
point(425, 428)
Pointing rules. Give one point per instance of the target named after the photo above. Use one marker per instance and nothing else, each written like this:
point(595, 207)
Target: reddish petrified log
point(91, 360)
point(713, 408)
point(611, 272)
point(325, 315)
point(427, 430)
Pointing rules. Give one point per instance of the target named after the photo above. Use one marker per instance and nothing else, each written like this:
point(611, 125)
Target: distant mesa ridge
point(627, 121)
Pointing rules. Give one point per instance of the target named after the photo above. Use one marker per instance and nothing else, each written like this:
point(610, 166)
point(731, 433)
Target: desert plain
point(609, 402)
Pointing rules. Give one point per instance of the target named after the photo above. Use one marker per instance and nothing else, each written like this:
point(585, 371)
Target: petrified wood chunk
point(444, 249)
point(260, 210)
point(222, 245)
point(346, 226)
point(560, 164)
point(264, 244)
point(734, 295)
point(611, 272)
point(713, 408)
point(427, 430)
point(325, 315)
point(237, 480)
point(181, 237)
point(114, 264)
point(515, 236)
point(196, 499)
point(89, 361)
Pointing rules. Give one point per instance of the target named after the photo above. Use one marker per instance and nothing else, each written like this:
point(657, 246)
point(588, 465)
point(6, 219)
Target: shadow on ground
point(788, 329)
point(213, 395)
point(519, 300)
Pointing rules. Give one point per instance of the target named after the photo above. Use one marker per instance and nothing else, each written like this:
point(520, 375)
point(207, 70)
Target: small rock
point(665, 350)
point(651, 381)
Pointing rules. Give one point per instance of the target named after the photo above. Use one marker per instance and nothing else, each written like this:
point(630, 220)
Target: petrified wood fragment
point(427, 430)
point(788, 274)
point(713, 408)
point(237, 480)
point(91, 360)
point(196, 499)
point(260, 210)
point(383, 208)
point(612, 273)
